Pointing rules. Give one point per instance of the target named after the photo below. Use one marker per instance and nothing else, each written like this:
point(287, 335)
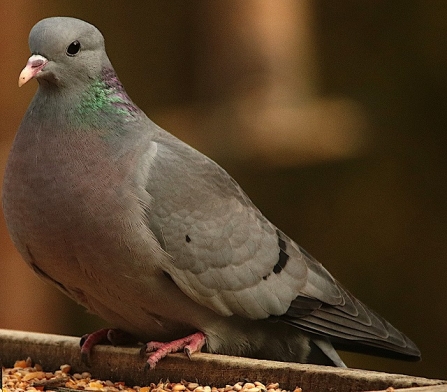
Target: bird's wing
point(227, 256)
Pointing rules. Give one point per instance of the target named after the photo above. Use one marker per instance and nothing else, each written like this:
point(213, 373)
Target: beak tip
point(25, 76)
point(33, 67)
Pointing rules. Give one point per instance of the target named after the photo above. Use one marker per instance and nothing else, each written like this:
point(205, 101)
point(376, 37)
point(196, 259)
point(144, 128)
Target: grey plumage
point(155, 237)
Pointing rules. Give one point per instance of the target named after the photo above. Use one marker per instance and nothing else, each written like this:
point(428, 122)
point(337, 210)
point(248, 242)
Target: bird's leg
point(158, 350)
point(113, 336)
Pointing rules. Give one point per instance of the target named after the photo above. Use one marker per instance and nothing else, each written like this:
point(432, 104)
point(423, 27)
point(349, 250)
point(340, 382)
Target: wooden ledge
point(125, 364)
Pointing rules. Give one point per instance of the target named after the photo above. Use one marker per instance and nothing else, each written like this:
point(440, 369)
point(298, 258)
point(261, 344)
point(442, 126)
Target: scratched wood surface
point(126, 364)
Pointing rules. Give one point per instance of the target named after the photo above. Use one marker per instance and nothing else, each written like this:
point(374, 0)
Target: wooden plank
point(431, 388)
point(125, 364)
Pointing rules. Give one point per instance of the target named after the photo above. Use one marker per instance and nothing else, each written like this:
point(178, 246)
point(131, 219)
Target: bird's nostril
point(37, 63)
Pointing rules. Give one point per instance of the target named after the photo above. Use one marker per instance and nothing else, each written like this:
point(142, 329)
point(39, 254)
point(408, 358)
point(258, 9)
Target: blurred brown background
point(330, 114)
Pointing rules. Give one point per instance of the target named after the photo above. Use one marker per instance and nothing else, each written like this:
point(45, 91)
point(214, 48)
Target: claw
point(89, 340)
point(143, 350)
point(158, 350)
point(85, 359)
point(188, 352)
point(114, 336)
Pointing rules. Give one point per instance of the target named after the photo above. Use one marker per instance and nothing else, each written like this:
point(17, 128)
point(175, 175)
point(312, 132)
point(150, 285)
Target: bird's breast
point(71, 208)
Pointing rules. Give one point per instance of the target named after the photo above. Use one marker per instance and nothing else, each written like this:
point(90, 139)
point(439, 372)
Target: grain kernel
point(30, 376)
point(20, 364)
point(65, 368)
point(94, 384)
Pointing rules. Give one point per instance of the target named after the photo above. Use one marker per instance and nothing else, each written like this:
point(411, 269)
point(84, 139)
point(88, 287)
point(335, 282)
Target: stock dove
point(153, 236)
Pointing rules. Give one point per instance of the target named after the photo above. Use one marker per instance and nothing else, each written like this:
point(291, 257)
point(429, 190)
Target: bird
point(156, 238)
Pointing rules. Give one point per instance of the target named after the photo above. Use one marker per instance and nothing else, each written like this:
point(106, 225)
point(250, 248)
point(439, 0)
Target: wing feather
point(227, 256)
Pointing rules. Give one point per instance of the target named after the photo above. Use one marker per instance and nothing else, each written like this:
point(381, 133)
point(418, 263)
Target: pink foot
point(113, 336)
point(189, 344)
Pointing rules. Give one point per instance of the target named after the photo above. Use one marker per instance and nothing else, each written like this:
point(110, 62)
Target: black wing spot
point(188, 238)
point(283, 256)
point(168, 276)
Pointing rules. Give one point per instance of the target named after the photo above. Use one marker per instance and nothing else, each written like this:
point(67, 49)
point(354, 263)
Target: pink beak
point(34, 65)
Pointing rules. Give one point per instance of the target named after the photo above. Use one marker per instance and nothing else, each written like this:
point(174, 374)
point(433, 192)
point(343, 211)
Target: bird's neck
point(102, 104)
point(105, 96)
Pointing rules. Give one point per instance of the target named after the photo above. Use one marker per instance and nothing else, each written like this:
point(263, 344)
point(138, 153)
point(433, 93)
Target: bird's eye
point(74, 48)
